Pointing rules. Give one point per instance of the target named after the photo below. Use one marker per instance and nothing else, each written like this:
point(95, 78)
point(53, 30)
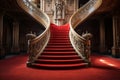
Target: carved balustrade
point(79, 42)
point(37, 44)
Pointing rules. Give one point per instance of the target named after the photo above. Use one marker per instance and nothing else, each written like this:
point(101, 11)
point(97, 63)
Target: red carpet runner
point(59, 53)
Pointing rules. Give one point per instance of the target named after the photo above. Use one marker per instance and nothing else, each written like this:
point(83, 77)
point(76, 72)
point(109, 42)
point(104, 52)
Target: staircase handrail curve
point(77, 41)
point(41, 15)
point(36, 45)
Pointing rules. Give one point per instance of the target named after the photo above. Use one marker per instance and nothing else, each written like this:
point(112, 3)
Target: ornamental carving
point(82, 43)
point(36, 44)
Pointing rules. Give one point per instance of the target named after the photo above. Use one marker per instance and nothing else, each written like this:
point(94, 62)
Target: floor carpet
point(102, 68)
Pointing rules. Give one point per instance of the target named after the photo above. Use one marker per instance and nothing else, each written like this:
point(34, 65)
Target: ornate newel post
point(87, 46)
point(30, 36)
point(116, 37)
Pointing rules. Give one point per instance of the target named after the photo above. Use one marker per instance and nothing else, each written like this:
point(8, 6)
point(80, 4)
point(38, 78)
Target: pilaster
point(116, 36)
point(2, 53)
point(15, 42)
point(102, 36)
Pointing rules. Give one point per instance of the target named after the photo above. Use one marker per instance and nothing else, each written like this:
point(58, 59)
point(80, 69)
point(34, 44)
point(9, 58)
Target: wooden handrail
point(36, 45)
point(78, 41)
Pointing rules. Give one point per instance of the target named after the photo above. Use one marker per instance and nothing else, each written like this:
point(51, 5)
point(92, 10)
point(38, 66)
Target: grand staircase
point(59, 53)
point(59, 47)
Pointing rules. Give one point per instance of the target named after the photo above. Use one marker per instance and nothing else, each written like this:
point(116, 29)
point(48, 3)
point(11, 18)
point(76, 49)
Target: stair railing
point(78, 41)
point(37, 44)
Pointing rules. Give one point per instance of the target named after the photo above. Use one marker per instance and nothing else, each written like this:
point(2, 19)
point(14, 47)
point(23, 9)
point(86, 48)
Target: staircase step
point(60, 46)
point(59, 49)
point(55, 43)
point(59, 38)
point(59, 31)
point(59, 41)
point(56, 35)
point(59, 53)
point(59, 66)
point(59, 57)
point(47, 61)
point(59, 34)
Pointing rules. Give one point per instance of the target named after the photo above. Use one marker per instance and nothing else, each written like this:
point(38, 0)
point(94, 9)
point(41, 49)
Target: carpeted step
point(59, 31)
point(59, 57)
point(59, 46)
point(55, 43)
point(49, 61)
point(59, 53)
point(60, 41)
point(59, 66)
point(59, 49)
point(59, 38)
point(59, 34)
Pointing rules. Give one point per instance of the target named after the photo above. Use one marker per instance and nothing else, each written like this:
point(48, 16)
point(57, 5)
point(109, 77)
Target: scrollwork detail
point(81, 43)
point(36, 43)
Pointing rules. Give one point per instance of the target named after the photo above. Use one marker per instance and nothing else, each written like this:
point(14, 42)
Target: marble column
point(1, 36)
point(15, 42)
point(102, 36)
point(116, 37)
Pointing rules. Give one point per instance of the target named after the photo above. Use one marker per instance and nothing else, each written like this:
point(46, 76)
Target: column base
point(116, 52)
